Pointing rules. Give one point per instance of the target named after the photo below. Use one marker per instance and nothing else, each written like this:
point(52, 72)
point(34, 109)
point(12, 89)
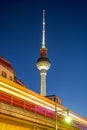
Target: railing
point(12, 100)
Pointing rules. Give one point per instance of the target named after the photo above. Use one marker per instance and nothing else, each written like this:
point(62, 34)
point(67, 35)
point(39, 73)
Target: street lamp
point(67, 117)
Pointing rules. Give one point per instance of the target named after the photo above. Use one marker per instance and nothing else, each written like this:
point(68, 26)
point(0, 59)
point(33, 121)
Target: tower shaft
point(43, 83)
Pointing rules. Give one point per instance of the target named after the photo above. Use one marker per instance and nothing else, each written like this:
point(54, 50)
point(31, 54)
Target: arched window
point(4, 74)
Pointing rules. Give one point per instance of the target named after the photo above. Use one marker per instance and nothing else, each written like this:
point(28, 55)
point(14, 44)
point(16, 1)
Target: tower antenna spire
point(43, 31)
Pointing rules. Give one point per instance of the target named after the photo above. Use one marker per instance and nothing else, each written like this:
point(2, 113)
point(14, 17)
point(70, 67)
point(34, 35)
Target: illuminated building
point(7, 71)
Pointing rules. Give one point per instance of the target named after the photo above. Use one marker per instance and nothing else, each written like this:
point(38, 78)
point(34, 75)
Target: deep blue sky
point(66, 40)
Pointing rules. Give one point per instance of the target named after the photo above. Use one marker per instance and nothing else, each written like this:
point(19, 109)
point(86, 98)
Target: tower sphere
point(43, 63)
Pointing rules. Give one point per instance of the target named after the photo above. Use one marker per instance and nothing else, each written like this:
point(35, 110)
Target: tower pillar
point(43, 82)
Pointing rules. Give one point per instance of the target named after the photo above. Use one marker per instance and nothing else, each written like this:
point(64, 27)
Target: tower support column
point(43, 82)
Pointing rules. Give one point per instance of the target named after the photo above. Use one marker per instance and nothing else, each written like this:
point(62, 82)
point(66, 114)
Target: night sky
point(66, 40)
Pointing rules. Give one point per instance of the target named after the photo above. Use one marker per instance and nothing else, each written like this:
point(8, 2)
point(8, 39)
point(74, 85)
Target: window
point(10, 77)
point(4, 74)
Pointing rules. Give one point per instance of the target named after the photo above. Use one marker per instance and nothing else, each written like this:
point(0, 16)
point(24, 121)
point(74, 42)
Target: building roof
point(5, 63)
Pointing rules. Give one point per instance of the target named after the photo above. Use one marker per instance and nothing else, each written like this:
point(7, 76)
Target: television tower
point(43, 63)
